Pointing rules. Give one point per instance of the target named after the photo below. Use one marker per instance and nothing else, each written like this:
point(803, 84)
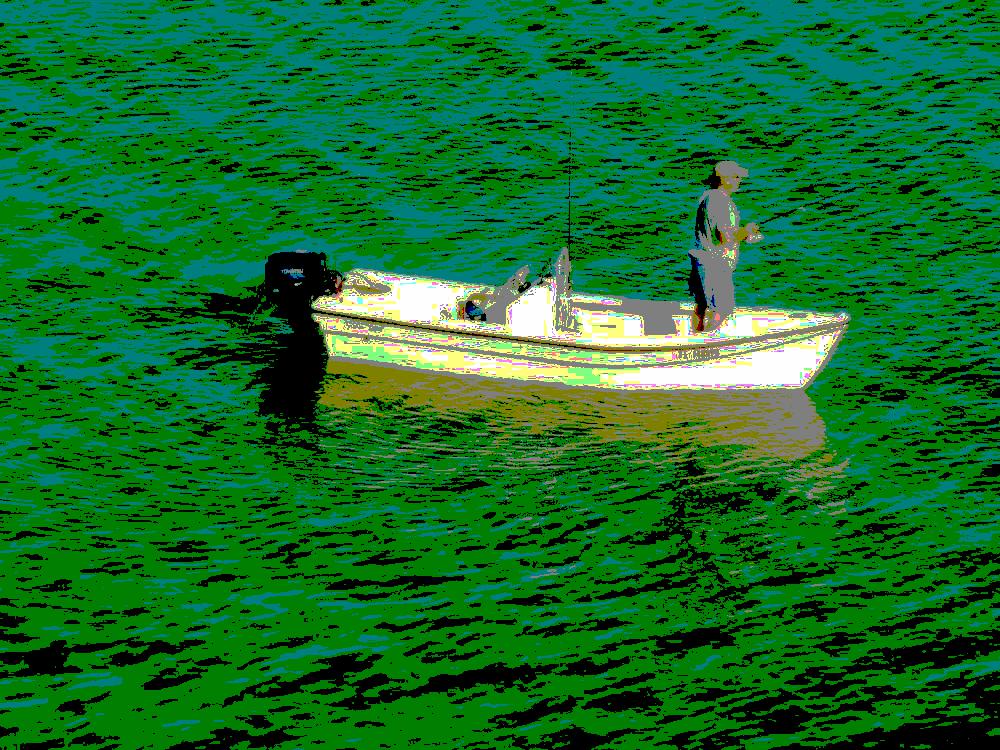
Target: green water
point(210, 539)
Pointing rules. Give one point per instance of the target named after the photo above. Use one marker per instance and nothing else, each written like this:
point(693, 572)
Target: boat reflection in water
point(782, 425)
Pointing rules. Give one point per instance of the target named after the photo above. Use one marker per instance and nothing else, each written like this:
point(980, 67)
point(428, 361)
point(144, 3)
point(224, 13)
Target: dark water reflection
point(292, 375)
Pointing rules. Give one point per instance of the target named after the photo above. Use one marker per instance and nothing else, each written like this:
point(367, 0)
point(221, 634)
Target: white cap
point(730, 169)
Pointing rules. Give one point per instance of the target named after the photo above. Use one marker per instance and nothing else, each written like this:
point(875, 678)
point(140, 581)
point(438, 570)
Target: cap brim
point(730, 169)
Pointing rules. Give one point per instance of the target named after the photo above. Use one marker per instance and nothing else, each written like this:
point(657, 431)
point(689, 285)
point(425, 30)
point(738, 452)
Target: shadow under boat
point(778, 424)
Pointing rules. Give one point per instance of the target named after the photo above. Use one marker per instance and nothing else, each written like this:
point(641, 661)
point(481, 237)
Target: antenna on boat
point(569, 191)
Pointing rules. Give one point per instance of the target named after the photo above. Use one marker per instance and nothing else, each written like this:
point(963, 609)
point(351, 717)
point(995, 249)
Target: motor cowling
point(292, 280)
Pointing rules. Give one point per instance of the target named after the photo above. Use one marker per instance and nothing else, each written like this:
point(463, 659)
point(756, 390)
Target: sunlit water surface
point(211, 538)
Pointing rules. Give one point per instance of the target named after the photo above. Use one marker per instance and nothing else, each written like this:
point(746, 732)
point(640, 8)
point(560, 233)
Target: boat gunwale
point(712, 354)
point(838, 321)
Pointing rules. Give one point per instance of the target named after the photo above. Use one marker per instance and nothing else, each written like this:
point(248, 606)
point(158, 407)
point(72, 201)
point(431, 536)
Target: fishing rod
point(790, 212)
point(786, 214)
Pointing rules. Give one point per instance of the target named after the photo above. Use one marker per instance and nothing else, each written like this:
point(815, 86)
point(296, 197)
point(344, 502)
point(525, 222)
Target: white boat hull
point(717, 362)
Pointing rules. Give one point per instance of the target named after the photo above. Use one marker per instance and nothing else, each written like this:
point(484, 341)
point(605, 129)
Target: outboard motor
point(292, 280)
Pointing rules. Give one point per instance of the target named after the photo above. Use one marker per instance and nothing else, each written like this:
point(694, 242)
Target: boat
point(540, 330)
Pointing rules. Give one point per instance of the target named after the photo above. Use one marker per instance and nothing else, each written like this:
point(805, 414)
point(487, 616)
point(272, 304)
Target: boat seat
point(565, 320)
point(658, 316)
point(496, 304)
point(361, 283)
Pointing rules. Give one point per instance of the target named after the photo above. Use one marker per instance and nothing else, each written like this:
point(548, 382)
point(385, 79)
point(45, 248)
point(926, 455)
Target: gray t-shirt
point(716, 211)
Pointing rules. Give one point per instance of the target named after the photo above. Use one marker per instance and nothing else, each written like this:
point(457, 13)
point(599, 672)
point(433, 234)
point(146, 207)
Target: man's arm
point(732, 237)
point(731, 244)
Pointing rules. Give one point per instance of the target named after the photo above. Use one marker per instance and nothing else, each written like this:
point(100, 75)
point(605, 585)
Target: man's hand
point(753, 233)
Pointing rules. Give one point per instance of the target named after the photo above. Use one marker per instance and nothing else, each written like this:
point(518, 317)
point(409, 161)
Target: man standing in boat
point(717, 238)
